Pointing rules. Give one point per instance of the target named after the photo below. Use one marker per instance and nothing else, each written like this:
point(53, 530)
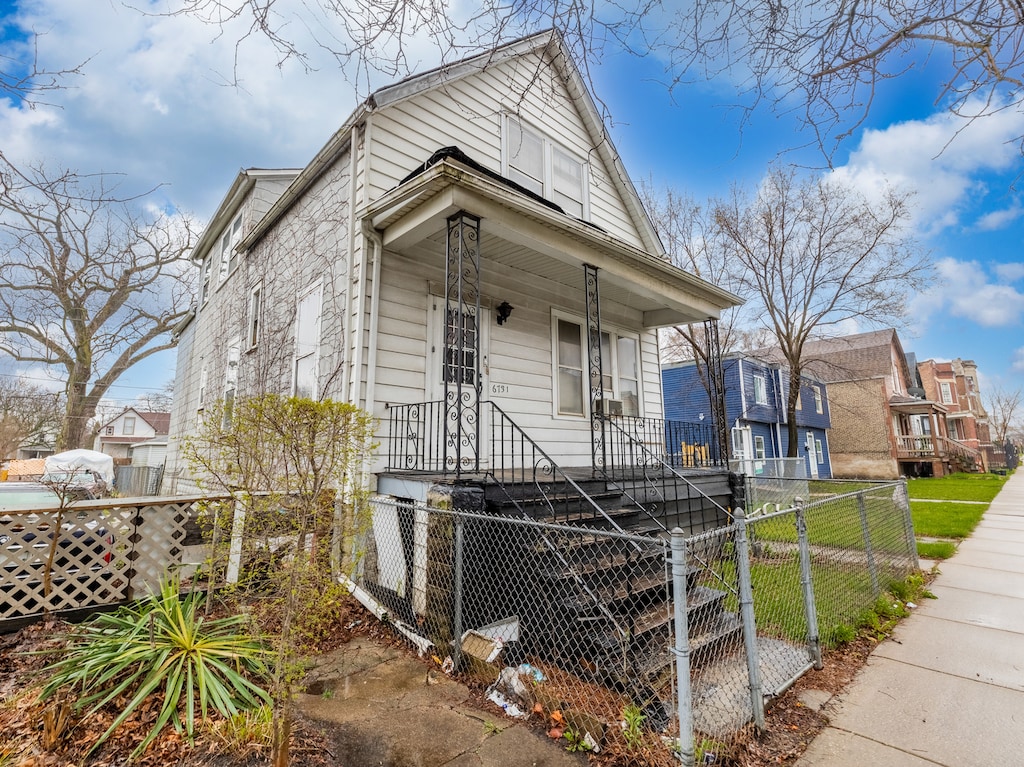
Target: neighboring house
point(132, 427)
point(467, 241)
point(882, 425)
point(954, 384)
point(755, 406)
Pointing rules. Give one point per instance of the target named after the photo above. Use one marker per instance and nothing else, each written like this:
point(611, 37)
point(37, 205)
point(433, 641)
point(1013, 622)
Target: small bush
point(161, 645)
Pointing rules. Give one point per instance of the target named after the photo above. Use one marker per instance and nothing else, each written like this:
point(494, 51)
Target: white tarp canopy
point(82, 460)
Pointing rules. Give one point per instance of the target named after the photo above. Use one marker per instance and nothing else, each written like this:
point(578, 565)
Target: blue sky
point(155, 102)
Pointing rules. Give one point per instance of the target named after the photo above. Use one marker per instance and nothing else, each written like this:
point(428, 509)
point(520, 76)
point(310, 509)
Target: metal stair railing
point(647, 478)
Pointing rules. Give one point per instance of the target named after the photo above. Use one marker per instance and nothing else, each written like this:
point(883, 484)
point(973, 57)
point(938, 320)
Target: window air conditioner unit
point(609, 406)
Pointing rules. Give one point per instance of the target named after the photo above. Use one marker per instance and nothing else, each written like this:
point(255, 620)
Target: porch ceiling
point(522, 233)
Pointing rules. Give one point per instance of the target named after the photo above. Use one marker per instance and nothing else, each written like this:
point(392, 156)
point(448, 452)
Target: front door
point(458, 360)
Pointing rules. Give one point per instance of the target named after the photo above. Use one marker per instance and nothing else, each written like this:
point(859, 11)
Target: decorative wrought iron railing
point(416, 437)
point(643, 457)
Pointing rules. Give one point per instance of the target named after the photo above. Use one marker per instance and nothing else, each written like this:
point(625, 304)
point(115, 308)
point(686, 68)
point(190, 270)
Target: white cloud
point(944, 161)
point(1011, 272)
point(963, 289)
point(1018, 360)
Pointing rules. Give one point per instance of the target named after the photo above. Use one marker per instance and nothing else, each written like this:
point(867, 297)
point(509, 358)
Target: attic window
point(546, 168)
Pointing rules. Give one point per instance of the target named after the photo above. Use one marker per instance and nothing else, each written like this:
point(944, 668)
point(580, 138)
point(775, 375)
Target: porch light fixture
point(504, 312)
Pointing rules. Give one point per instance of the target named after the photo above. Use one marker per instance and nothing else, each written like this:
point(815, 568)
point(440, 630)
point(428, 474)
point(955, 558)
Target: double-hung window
point(760, 395)
point(620, 362)
point(128, 427)
point(228, 241)
point(946, 389)
point(819, 405)
point(307, 342)
point(759, 451)
point(546, 168)
point(252, 331)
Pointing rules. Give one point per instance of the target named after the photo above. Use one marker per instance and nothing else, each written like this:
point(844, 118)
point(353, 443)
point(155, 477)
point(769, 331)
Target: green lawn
point(957, 487)
point(945, 520)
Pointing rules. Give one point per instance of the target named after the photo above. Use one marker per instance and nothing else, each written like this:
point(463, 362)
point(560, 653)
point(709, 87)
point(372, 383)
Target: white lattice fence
point(105, 552)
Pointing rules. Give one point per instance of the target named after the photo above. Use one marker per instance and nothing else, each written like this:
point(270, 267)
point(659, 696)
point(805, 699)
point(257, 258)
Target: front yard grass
point(957, 487)
point(945, 519)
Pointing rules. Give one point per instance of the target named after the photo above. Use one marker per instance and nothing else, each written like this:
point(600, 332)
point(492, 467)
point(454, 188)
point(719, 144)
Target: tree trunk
point(793, 396)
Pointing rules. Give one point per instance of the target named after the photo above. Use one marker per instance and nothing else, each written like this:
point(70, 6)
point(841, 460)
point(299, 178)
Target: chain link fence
point(590, 627)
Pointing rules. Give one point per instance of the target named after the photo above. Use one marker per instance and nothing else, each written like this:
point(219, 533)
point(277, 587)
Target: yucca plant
point(161, 644)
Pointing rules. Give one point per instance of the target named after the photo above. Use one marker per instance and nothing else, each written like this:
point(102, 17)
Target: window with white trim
point(231, 379)
point(202, 389)
point(128, 426)
point(204, 287)
point(819, 405)
point(819, 451)
point(252, 332)
point(946, 390)
point(307, 342)
point(228, 241)
point(545, 167)
point(759, 451)
point(760, 395)
point(620, 360)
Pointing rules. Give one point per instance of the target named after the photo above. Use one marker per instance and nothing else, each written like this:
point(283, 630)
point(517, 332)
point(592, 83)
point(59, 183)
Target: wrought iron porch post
point(594, 363)
point(461, 361)
point(716, 387)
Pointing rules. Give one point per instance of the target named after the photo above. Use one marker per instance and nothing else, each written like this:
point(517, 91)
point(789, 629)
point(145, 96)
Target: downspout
point(357, 355)
point(371, 358)
point(784, 411)
point(353, 149)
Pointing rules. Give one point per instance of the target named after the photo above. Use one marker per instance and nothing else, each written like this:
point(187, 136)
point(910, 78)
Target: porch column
point(716, 386)
point(461, 360)
point(597, 442)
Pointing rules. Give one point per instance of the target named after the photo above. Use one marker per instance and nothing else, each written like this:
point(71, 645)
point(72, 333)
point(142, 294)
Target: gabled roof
point(160, 421)
point(856, 357)
point(549, 42)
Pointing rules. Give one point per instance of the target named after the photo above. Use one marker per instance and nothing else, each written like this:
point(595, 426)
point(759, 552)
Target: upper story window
point(252, 332)
point(128, 426)
point(946, 390)
point(545, 167)
point(227, 249)
point(204, 287)
point(818, 404)
point(760, 395)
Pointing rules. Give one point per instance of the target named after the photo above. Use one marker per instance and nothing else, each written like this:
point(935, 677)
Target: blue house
point(755, 407)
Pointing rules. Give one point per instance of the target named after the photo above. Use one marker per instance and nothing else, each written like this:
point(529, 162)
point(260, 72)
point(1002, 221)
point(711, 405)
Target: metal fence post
point(682, 648)
point(460, 536)
point(909, 522)
point(868, 550)
point(747, 615)
point(811, 610)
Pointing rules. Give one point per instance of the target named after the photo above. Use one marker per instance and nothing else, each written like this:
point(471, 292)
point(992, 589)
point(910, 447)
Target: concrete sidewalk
point(948, 689)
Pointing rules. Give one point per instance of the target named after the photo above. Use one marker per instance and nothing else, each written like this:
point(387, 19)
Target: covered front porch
point(923, 444)
point(541, 347)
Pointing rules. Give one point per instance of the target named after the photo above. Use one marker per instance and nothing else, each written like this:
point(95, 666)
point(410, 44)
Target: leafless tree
point(826, 59)
point(817, 254)
point(1003, 412)
point(28, 415)
point(89, 282)
point(23, 78)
